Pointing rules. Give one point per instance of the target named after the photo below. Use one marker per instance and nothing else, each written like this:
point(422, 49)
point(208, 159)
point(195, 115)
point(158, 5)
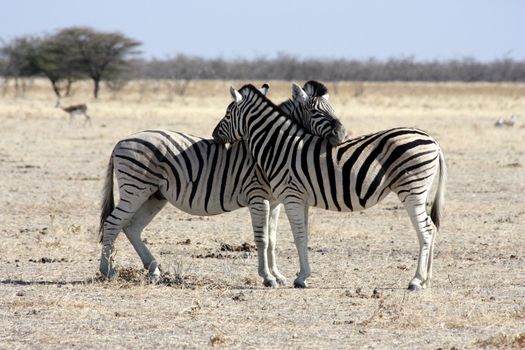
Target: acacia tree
point(99, 55)
point(56, 60)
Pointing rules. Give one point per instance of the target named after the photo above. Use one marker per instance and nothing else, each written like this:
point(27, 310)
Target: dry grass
point(210, 295)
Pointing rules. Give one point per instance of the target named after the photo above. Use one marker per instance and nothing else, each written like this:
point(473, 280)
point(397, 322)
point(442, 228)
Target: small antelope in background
point(80, 109)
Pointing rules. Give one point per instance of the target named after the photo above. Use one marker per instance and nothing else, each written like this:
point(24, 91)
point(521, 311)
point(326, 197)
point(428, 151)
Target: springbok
point(80, 109)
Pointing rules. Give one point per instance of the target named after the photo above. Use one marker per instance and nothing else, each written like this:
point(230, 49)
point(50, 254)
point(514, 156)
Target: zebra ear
point(298, 94)
point(237, 97)
point(264, 89)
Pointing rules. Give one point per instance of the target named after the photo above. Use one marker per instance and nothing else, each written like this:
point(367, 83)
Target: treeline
point(83, 53)
point(285, 67)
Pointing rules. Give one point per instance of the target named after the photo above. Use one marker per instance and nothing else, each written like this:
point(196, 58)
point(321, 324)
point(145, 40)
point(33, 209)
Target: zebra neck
point(293, 110)
point(268, 127)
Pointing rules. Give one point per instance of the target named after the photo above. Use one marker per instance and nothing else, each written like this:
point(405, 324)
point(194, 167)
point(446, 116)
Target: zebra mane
point(315, 89)
point(249, 87)
point(283, 111)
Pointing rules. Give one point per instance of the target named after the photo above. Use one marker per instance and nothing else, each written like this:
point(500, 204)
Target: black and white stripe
point(304, 170)
point(200, 177)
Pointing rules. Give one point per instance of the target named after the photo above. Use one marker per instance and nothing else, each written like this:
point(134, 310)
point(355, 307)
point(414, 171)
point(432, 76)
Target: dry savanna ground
point(52, 170)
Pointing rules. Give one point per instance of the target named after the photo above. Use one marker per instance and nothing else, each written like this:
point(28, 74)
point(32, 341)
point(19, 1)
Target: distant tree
point(99, 55)
point(19, 58)
point(57, 61)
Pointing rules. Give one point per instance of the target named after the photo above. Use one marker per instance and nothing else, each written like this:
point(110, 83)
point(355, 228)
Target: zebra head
point(230, 129)
point(312, 110)
point(308, 107)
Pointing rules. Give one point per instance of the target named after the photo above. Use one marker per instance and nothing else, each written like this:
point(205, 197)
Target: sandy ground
point(52, 170)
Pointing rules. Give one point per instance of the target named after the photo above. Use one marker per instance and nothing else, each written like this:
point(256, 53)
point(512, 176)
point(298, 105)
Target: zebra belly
point(196, 199)
point(343, 201)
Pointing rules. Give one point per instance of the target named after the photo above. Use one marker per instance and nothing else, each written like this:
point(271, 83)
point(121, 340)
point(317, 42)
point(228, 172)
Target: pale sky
point(427, 30)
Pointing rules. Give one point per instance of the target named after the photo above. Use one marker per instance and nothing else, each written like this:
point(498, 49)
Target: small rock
point(239, 297)
point(185, 242)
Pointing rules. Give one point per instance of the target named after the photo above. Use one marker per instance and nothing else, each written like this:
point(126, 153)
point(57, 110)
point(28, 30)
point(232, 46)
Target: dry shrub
point(217, 340)
point(503, 341)
point(245, 247)
point(130, 275)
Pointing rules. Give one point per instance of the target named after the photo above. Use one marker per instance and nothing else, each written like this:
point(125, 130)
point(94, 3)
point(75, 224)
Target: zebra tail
point(108, 202)
point(439, 200)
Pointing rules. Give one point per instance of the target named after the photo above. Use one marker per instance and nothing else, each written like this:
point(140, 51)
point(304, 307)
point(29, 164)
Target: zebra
point(201, 177)
point(304, 170)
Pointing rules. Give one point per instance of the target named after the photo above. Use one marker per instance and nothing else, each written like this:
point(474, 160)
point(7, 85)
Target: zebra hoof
point(414, 287)
point(282, 282)
point(299, 284)
point(109, 275)
point(154, 279)
point(154, 275)
point(270, 283)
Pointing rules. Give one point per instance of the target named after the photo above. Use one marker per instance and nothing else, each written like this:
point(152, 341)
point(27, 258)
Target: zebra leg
point(416, 208)
point(260, 212)
point(430, 257)
point(133, 231)
point(275, 209)
point(115, 222)
point(112, 227)
point(298, 217)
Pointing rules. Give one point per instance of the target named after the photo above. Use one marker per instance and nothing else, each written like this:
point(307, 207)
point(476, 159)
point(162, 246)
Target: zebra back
point(351, 176)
